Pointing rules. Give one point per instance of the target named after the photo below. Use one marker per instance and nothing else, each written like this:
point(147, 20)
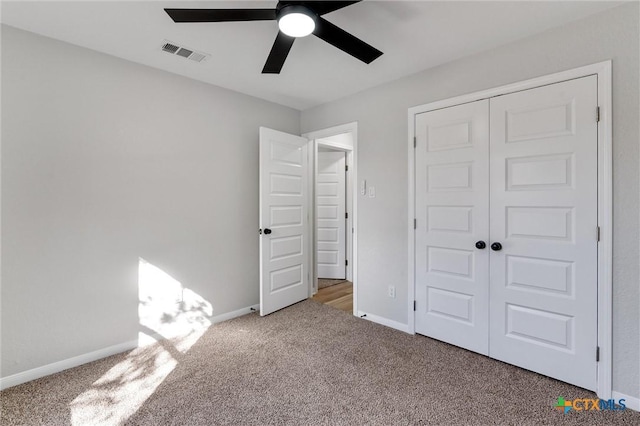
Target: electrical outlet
point(392, 292)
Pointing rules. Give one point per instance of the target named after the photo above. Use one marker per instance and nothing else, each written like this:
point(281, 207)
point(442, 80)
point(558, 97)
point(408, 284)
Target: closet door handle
point(496, 246)
point(267, 231)
point(480, 245)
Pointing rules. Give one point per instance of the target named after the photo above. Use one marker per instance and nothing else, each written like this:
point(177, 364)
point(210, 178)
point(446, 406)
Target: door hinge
point(414, 305)
point(415, 141)
point(598, 233)
point(597, 114)
point(415, 223)
point(597, 353)
point(346, 262)
point(346, 168)
point(346, 215)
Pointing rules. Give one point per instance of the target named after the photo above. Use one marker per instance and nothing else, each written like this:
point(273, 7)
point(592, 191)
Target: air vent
point(185, 53)
point(198, 57)
point(170, 48)
point(175, 49)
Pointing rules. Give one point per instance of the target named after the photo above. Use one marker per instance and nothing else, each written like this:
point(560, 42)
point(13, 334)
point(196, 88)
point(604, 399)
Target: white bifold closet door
point(544, 212)
point(518, 172)
point(331, 215)
point(452, 214)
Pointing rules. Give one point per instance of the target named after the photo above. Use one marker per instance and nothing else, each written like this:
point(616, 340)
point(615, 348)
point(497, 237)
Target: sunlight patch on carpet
point(172, 319)
point(122, 390)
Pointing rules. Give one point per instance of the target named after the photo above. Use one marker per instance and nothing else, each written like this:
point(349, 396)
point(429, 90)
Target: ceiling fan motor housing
point(285, 8)
point(296, 20)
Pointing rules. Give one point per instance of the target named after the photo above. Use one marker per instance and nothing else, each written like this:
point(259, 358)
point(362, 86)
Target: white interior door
point(331, 215)
point(284, 258)
point(452, 205)
point(543, 313)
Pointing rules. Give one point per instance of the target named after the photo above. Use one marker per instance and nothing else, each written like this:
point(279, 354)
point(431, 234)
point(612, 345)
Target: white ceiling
point(414, 35)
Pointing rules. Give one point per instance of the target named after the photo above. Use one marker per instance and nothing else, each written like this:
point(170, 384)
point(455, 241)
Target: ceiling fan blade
point(278, 54)
point(345, 41)
point(221, 15)
point(322, 7)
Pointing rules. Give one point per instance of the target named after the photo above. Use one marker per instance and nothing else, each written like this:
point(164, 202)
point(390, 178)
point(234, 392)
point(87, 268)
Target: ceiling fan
point(295, 19)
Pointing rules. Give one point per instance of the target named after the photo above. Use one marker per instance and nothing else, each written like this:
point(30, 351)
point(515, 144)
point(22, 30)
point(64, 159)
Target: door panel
point(284, 260)
point(452, 203)
point(331, 208)
point(543, 312)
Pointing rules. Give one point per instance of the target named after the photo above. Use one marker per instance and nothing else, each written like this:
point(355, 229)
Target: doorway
point(288, 226)
point(333, 216)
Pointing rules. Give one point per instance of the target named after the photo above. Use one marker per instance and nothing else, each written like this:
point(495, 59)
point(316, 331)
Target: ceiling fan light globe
point(296, 24)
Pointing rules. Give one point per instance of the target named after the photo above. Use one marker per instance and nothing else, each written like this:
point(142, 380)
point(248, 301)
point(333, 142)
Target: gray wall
point(105, 161)
point(381, 113)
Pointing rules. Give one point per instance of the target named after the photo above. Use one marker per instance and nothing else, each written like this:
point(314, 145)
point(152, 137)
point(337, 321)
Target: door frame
point(605, 198)
point(351, 202)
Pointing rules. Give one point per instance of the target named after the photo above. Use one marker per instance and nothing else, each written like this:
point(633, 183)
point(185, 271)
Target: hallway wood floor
point(339, 296)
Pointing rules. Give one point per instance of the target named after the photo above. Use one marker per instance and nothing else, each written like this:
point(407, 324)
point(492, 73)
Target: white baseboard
point(384, 321)
point(630, 401)
point(235, 314)
point(56, 367)
point(65, 364)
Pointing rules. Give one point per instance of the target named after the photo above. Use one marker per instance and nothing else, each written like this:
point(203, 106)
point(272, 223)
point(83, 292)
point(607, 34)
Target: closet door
point(331, 215)
point(452, 203)
point(543, 308)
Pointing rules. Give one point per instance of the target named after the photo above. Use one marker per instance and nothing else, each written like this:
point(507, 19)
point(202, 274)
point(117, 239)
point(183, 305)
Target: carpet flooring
point(308, 364)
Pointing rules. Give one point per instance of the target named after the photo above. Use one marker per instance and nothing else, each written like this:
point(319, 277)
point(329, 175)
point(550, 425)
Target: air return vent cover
point(170, 48)
point(178, 50)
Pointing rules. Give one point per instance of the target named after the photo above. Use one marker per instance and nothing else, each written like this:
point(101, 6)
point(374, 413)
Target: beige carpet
point(327, 282)
point(305, 365)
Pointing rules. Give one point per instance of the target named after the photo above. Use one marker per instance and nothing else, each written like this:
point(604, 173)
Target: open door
point(284, 220)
